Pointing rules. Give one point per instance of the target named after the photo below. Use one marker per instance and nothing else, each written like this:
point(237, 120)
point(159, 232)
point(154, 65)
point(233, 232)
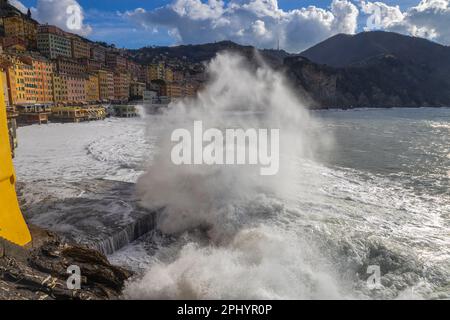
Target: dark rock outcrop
point(383, 81)
point(40, 272)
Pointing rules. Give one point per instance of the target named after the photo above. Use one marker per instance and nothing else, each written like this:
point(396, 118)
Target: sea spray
point(245, 251)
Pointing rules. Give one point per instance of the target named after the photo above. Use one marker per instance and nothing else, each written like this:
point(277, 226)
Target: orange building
point(42, 78)
point(53, 42)
point(29, 79)
point(16, 80)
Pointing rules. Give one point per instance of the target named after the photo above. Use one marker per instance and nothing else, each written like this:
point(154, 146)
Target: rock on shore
point(39, 272)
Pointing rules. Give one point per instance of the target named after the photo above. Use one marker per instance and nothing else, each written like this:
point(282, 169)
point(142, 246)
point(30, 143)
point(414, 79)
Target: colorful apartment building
point(92, 88)
point(70, 66)
point(91, 65)
point(179, 89)
point(106, 84)
point(30, 79)
point(174, 90)
point(23, 27)
point(80, 47)
point(42, 79)
point(121, 86)
point(15, 79)
point(76, 88)
point(116, 61)
point(60, 94)
point(159, 72)
point(53, 42)
point(155, 72)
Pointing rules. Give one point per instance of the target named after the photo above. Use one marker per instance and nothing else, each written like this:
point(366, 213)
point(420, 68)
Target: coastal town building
point(41, 79)
point(30, 79)
point(15, 79)
point(76, 88)
point(174, 90)
point(69, 89)
point(106, 84)
point(90, 65)
point(137, 90)
point(53, 43)
point(43, 65)
point(60, 93)
point(23, 27)
point(70, 66)
point(155, 72)
point(80, 47)
point(92, 88)
point(159, 71)
point(121, 86)
point(115, 61)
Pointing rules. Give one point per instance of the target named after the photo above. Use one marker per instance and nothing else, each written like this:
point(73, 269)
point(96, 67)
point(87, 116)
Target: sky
point(295, 24)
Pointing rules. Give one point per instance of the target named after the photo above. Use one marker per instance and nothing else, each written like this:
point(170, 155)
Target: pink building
point(76, 89)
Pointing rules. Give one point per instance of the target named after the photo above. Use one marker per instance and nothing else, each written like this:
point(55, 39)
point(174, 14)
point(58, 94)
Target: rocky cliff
point(373, 69)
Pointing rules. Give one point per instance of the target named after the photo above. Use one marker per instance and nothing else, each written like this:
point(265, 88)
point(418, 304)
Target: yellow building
point(92, 88)
point(168, 75)
point(159, 72)
point(60, 93)
point(155, 72)
point(23, 27)
point(15, 74)
point(174, 90)
point(105, 84)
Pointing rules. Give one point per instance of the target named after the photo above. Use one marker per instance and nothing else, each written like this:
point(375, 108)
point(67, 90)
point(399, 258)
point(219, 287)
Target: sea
point(366, 217)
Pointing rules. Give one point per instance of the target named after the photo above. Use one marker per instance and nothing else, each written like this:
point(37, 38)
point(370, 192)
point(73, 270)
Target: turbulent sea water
point(380, 197)
point(357, 190)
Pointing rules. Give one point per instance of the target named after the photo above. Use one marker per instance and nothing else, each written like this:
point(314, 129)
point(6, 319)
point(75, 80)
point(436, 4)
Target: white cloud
point(382, 16)
point(429, 19)
point(258, 22)
point(55, 12)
